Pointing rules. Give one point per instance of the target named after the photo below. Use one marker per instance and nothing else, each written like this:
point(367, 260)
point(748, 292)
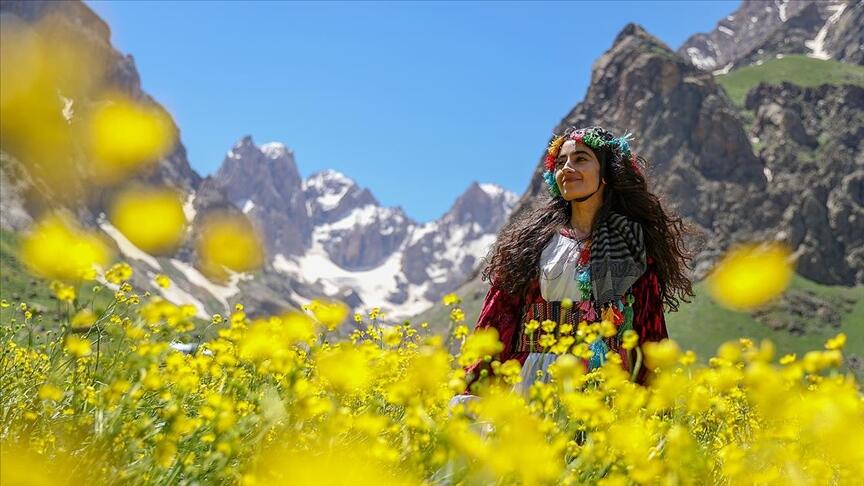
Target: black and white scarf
point(618, 257)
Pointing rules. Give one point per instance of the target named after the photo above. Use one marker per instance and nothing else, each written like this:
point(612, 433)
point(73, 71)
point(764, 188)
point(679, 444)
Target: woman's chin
point(570, 195)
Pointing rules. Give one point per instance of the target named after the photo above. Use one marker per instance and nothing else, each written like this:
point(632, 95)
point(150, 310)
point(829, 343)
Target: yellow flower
point(836, 342)
point(531, 326)
point(345, 368)
point(330, 314)
point(151, 218)
point(788, 358)
point(629, 339)
point(457, 315)
point(119, 272)
point(608, 329)
point(563, 345)
point(124, 136)
point(228, 242)
point(63, 292)
point(750, 275)
point(165, 451)
point(77, 347)
point(392, 336)
point(548, 326)
point(547, 340)
point(50, 392)
point(162, 280)
point(83, 319)
point(451, 299)
point(482, 343)
point(57, 248)
point(661, 354)
point(460, 332)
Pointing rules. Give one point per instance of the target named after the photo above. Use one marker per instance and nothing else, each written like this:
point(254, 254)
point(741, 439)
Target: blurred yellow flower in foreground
point(345, 368)
point(151, 218)
point(482, 343)
point(750, 275)
point(58, 248)
point(330, 314)
point(227, 241)
point(124, 136)
point(84, 319)
point(45, 71)
point(77, 346)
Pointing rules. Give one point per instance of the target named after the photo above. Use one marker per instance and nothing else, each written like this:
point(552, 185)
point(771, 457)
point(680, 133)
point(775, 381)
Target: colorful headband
point(595, 137)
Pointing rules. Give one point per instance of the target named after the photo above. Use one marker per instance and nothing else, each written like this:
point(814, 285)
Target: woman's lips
point(570, 179)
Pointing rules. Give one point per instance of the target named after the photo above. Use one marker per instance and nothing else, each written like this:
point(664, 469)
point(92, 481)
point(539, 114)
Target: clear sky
point(412, 99)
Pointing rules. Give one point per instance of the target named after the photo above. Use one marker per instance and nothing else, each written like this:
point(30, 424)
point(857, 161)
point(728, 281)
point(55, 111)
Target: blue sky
point(414, 100)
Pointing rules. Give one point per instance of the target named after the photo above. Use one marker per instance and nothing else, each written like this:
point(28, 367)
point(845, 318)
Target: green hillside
point(797, 69)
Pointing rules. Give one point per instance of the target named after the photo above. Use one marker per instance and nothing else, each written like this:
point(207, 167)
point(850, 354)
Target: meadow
point(141, 392)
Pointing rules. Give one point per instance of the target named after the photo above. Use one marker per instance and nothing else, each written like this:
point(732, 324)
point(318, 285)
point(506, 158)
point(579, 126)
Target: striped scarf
point(618, 257)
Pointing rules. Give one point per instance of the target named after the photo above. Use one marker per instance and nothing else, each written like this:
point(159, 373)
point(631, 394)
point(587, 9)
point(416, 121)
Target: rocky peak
point(485, 204)
point(760, 30)
point(265, 183)
point(331, 195)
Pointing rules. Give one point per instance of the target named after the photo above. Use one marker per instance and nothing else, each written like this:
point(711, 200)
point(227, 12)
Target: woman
point(603, 241)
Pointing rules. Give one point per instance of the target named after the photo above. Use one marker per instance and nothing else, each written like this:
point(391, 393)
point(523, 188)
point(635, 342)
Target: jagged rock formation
point(760, 30)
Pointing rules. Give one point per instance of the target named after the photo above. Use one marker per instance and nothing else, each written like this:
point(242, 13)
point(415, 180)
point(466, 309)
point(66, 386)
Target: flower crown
point(595, 137)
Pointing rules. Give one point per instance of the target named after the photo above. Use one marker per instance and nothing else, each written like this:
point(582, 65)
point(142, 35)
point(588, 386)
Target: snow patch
point(373, 286)
point(726, 30)
point(781, 9)
point(495, 191)
point(275, 150)
point(768, 175)
point(189, 207)
point(127, 248)
point(700, 60)
point(817, 45)
point(220, 292)
point(248, 206)
point(331, 186)
point(724, 70)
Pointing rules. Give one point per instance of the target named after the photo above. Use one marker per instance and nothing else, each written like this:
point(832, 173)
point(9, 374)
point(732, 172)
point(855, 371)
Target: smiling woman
point(589, 270)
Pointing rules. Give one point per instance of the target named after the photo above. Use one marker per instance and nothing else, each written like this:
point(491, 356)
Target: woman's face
point(577, 170)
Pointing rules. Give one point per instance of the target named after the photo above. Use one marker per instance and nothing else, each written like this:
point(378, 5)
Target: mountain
point(325, 236)
point(346, 243)
point(760, 30)
point(265, 184)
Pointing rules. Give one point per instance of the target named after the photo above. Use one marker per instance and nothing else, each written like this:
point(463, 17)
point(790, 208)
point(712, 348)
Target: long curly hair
point(513, 261)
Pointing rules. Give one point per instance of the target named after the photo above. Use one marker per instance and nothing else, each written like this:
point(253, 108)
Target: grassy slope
point(797, 69)
point(18, 285)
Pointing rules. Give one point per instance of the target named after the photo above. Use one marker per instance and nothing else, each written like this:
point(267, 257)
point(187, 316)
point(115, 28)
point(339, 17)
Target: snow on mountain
point(383, 256)
point(760, 30)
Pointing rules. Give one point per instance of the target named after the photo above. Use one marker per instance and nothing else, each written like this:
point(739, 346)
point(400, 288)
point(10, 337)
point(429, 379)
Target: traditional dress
point(630, 294)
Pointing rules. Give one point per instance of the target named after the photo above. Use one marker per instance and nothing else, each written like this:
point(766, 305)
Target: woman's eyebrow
point(578, 152)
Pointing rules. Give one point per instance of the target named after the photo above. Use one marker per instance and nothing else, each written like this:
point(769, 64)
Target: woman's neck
point(582, 214)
